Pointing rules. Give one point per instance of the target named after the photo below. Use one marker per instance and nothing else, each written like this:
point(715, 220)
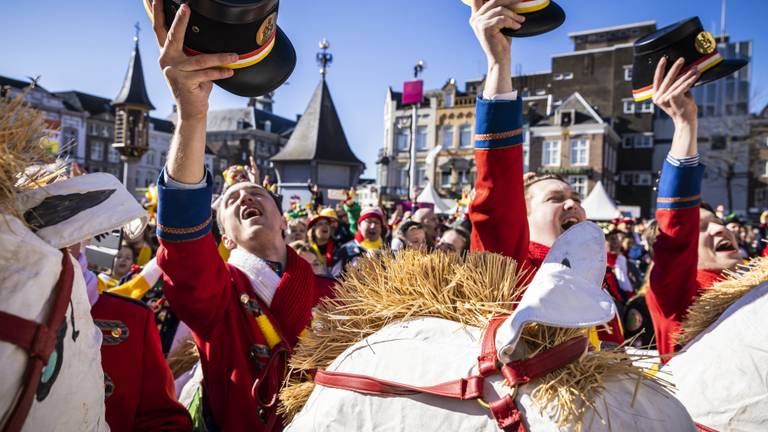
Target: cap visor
point(540, 22)
point(725, 68)
point(265, 76)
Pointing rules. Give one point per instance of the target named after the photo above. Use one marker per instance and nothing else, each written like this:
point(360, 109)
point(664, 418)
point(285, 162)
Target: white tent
point(598, 205)
point(430, 196)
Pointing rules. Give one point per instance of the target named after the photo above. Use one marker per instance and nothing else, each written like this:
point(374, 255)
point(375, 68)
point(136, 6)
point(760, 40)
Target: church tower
point(132, 108)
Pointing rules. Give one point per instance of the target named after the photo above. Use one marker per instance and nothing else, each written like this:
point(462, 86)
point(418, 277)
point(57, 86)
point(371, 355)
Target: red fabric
point(612, 259)
point(375, 212)
point(208, 301)
point(675, 278)
point(143, 396)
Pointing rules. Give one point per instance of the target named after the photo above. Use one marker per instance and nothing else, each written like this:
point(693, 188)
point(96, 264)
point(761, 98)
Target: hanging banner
point(413, 92)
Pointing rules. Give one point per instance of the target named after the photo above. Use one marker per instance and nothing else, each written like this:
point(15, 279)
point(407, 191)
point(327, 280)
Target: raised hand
point(189, 77)
point(487, 20)
point(671, 92)
point(253, 171)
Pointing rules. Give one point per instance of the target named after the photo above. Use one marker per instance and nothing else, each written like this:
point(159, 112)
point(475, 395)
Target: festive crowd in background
point(206, 295)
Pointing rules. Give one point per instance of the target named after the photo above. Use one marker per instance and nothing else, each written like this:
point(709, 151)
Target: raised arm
point(195, 275)
point(673, 277)
point(498, 211)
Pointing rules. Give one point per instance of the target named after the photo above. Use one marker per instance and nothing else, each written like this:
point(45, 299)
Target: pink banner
point(413, 92)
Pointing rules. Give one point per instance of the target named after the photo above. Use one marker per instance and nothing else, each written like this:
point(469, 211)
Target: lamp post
point(417, 70)
point(324, 58)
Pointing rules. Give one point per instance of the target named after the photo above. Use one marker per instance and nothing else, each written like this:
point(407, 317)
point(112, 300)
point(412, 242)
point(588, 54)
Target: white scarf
point(263, 279)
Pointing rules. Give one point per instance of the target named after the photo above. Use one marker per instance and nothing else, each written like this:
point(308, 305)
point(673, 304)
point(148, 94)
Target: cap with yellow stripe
point(541, 16)
point(248, 28)
point(685, 39)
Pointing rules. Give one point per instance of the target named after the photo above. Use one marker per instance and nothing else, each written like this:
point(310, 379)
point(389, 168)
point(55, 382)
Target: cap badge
point(267, 29)
point(705, 43)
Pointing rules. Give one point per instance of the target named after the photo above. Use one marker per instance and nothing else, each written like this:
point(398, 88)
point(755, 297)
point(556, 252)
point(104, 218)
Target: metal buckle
point(513, 395)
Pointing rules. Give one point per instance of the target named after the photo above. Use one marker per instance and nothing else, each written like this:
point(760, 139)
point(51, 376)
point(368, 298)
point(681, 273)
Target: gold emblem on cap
point(705, 43)
point(267, 29)
point(244, 298)
point(116, 332)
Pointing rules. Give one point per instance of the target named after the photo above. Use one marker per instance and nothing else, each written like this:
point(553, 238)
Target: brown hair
point(530, 179)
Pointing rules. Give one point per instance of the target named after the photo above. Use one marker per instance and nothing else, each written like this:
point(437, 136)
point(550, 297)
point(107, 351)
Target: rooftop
point(610, 29)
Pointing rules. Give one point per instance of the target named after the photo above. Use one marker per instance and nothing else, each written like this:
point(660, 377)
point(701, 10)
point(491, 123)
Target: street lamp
point(417, 70)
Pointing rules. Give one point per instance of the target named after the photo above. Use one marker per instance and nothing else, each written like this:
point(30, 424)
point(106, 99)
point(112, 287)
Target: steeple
point(319, 135)
point(134, 92)
point(132, 108)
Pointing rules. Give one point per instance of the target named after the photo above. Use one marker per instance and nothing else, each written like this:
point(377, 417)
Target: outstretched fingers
point(671, 77)
point(175, 40)
point(211, 74)
point(158, 22)
point(658, 77)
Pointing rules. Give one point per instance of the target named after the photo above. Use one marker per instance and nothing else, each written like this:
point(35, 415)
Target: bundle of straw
point(711, 304)
point(21, 133)
point(382, 290)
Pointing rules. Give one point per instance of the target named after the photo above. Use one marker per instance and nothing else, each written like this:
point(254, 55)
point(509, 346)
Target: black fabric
point(676, 41)
point(58, 208)
point(539, 22)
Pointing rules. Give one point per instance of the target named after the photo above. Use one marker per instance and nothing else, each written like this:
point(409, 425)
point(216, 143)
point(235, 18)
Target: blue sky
point(85, 45)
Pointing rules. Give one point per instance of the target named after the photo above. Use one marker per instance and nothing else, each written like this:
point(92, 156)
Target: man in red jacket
point(246, 315)
point(516, 217)
point(693, 247)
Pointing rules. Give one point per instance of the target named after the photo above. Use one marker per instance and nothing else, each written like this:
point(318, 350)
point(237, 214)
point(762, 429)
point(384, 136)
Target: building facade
point(234, 135)
point(576, 143)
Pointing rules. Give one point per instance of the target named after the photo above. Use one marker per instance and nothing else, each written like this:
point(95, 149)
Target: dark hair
point(706, 206)
point(650, 233)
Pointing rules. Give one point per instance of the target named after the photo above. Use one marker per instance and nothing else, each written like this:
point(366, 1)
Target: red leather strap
point(31, 336)
point(702, 428)
point(524, 371)
point(486, 362)
point(507, 416)
point(464, 388)
point(40, 345)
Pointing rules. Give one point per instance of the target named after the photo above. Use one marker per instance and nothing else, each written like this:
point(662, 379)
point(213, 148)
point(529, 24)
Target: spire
point(134, 92)
point(324, 58)
point(319, 134)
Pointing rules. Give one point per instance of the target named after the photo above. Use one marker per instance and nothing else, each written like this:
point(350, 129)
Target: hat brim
point(265, 76)
point(723, 69)
point(540, 22)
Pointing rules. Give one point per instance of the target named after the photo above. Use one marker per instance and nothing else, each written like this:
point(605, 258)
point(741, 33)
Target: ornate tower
point(132, 108)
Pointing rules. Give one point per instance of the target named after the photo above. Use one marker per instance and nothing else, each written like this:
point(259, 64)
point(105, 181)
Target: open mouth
point(568, 223)
point(725, 246)
point(250, 213)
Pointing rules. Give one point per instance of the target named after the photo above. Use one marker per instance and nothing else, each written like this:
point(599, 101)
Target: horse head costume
point(722, 372)
point(49, 346)
point(431, 343)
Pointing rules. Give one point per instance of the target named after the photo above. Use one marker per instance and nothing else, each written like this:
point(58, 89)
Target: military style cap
point(686, 39)
point(246, 27)
point(541, 16)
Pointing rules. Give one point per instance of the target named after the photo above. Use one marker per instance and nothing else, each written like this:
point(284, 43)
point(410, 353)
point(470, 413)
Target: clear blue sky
point(85, 45)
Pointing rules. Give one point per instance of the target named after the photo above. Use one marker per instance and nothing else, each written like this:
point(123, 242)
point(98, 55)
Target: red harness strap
point(504, 410)
point(39, 340)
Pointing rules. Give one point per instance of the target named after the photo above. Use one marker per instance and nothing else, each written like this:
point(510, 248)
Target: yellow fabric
point(594, 339)
point(268, 330)
point(106, 282)
point(369, 245)
point(224, 252)
point(134, 288)
point(145, 254)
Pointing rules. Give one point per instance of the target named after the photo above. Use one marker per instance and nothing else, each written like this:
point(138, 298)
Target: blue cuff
point(183, 214)
point(499, 123)
point(680, 186)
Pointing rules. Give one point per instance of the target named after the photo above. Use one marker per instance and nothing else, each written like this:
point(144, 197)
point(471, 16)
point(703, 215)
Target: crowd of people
point(230, 278)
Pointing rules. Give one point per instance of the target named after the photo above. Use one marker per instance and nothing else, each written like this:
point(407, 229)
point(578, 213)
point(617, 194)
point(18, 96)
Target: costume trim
point(171, 230)
point(498, 135)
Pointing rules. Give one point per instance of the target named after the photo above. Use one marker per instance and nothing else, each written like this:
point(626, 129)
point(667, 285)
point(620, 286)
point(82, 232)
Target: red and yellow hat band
point(703, 64)
point(524, 6)
point(244, 60)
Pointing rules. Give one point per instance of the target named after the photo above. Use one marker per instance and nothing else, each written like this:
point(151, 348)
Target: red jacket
point(140, 395)
point(498, 211)
point(675, 280)
point(242, 372)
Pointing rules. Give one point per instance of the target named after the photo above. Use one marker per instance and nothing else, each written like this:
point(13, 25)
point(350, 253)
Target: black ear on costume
point(566, 263)
point(58, 208)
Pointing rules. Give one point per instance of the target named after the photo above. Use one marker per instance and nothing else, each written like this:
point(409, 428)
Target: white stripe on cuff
point(685, 161)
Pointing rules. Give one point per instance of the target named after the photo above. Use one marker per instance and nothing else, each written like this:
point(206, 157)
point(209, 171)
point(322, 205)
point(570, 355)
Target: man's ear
point(228, 242)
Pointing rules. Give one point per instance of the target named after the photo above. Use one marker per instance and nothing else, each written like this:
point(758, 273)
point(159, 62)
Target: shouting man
point(246, 315)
